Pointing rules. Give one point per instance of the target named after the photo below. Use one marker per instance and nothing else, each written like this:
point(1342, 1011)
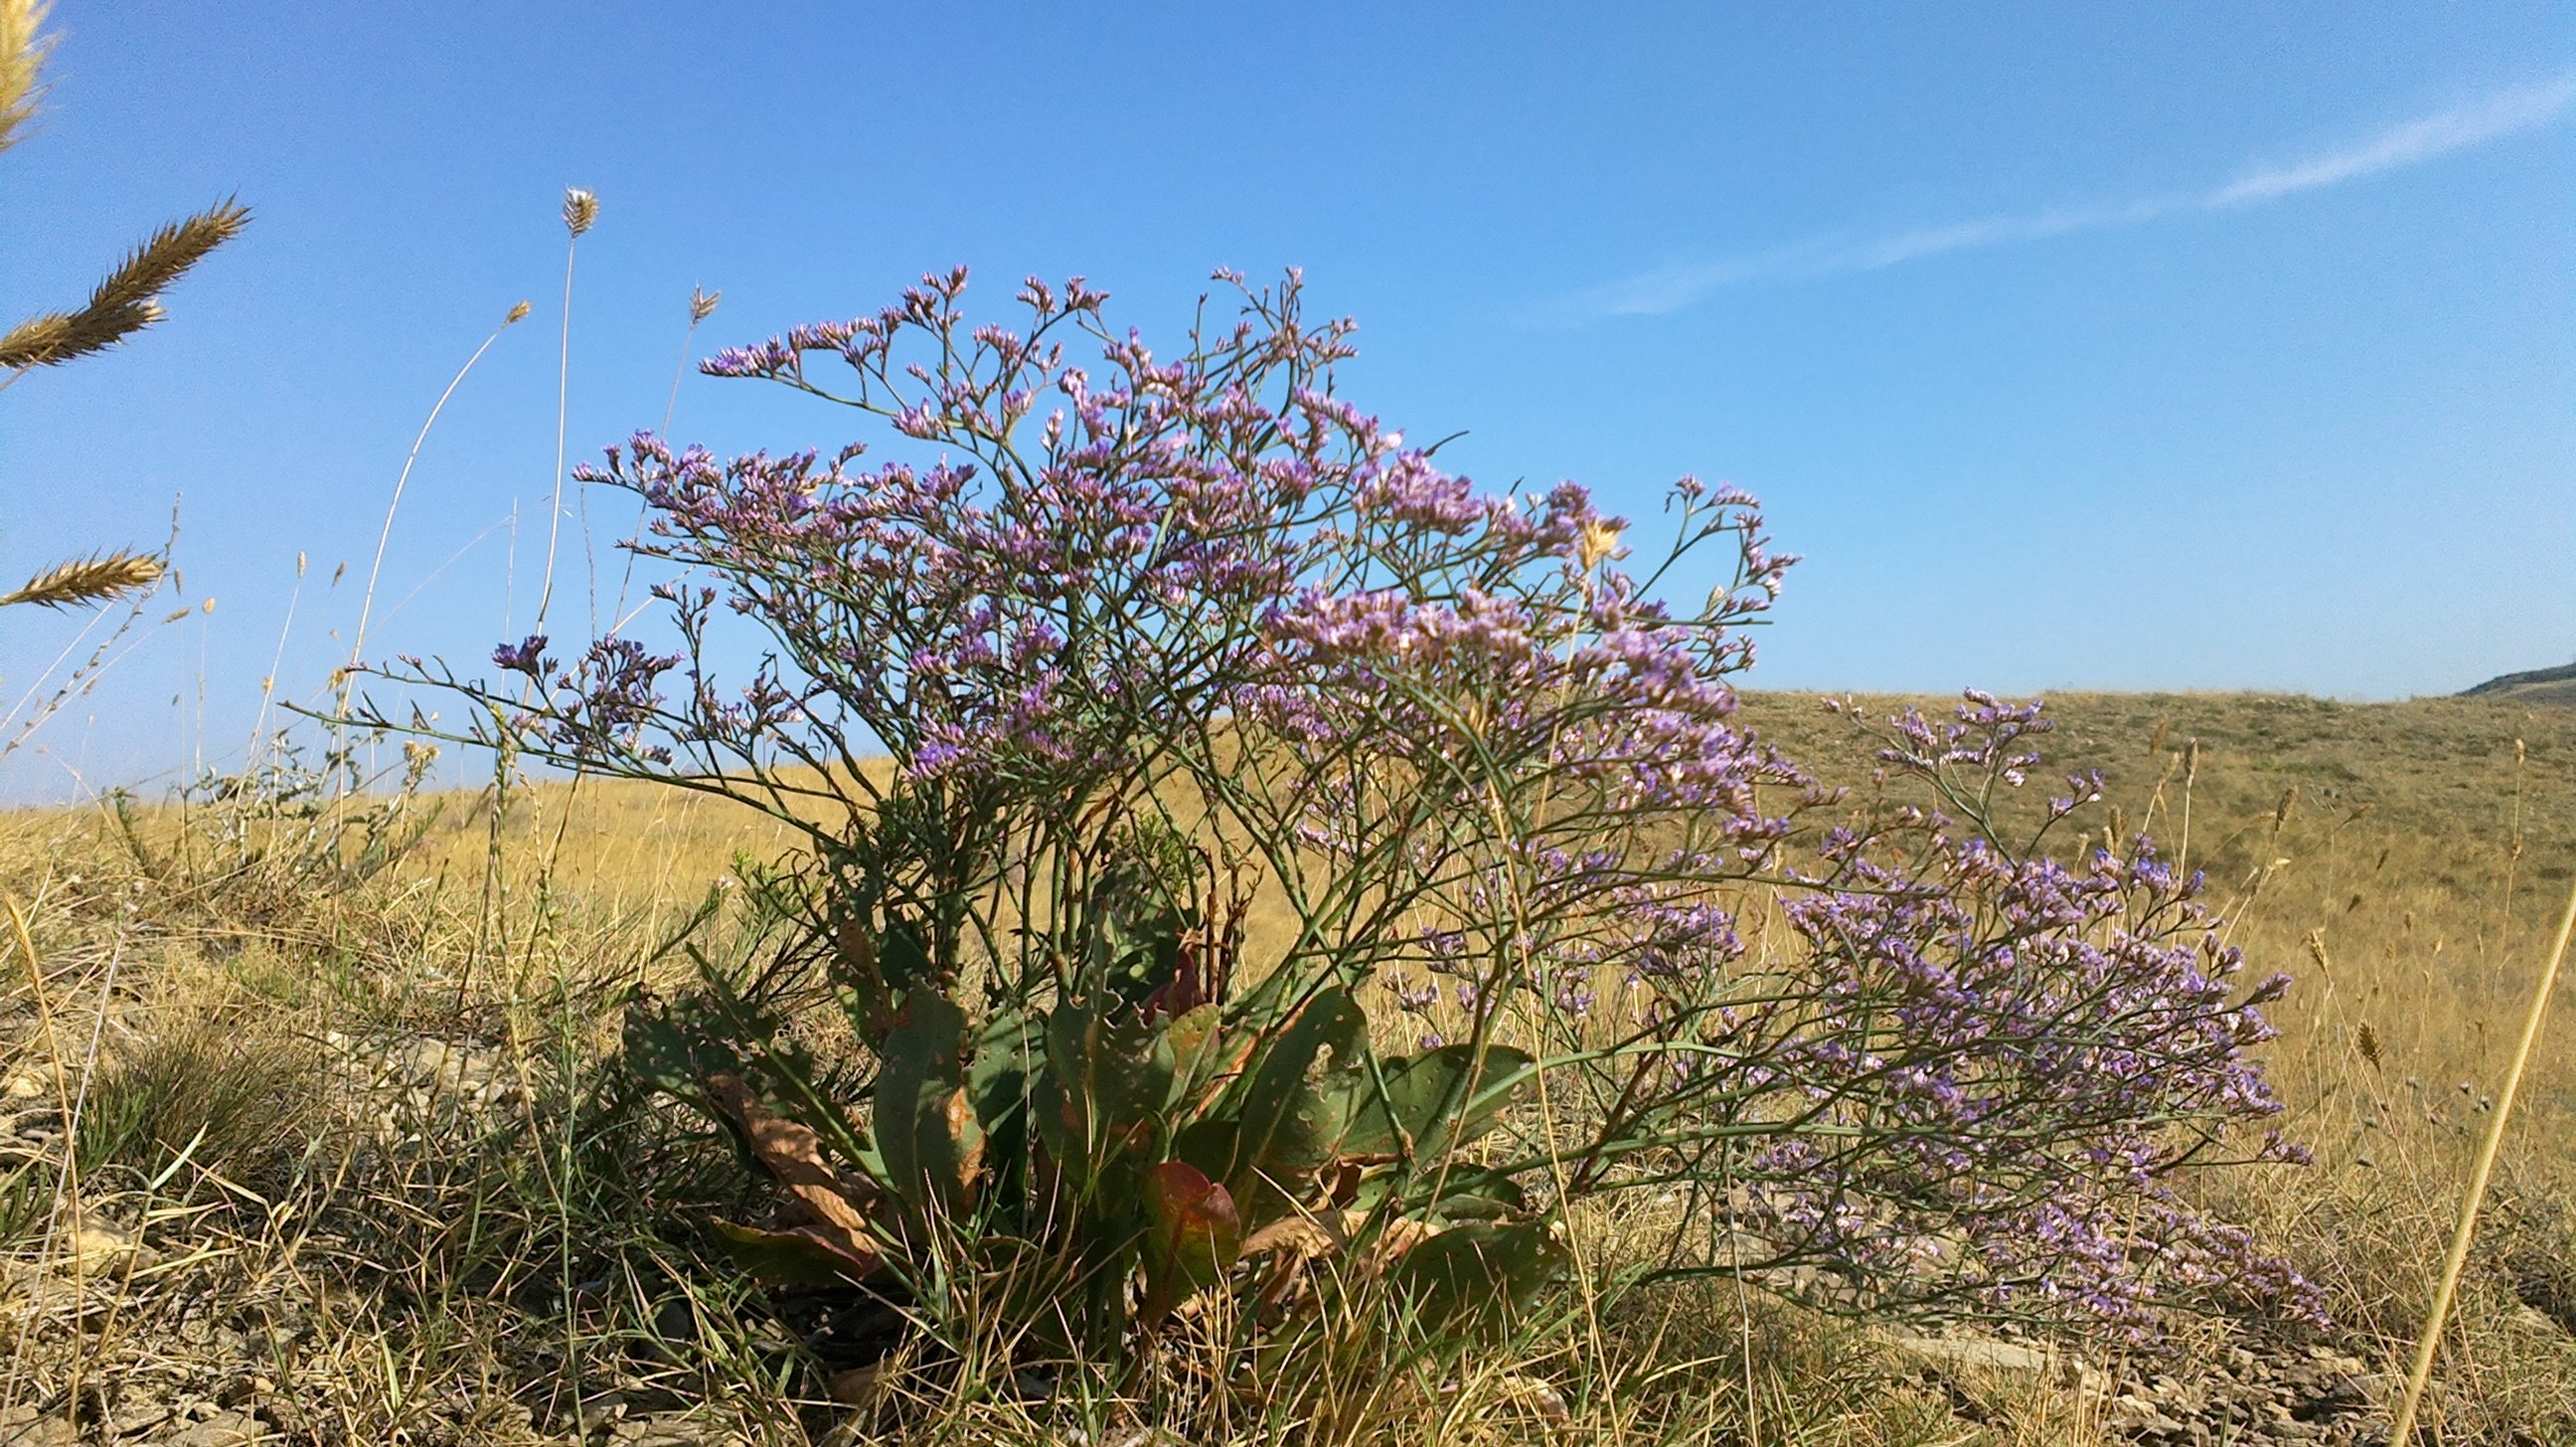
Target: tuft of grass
point(26, 1200)
point(236, 1105)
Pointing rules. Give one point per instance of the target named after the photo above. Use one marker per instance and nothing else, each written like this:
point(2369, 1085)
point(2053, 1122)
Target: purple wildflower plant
point(1483, 759)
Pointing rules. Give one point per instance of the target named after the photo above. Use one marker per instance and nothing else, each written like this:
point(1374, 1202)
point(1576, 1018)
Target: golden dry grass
point(2402, 860)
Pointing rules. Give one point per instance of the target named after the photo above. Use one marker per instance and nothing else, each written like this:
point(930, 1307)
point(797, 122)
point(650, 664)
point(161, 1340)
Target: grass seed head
point(95, 579)
point(22, 60)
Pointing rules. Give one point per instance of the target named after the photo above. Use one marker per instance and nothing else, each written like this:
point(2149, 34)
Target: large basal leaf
point(1138, 923)
point(1408, 1120)
point(1001, 1082)
point(1198, 1042)
point(1193, 1237)
point(794, 1154)
point(1108, 1087)
point(673, 1046)
point(926, 1130)
point(1476, 1274)
point(716, 1030)
point(1290, 1121)
point(903, 955)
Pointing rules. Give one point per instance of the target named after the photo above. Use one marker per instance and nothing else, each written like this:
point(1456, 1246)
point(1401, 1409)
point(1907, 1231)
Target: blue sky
point(2075, 346)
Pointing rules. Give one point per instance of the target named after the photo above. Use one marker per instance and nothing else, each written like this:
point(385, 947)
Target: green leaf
point(1198, 1038)
point(903, 957)
point(671, 1047)
point(926, 1131)
point(1136, 925)
point(1290, 1118)
point(1475, 1275)
point(1407, 1118)
point(1001, 1083)
point(1110, 1079)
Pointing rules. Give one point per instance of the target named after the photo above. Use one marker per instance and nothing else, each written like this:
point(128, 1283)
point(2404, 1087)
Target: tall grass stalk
point(366, 606)
point(276, 661)
point(67, 1182)
point(2448, 1286)
point(580, 211)
point(702, 305)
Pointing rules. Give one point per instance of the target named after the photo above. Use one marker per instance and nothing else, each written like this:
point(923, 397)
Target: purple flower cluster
point(2032, 1051)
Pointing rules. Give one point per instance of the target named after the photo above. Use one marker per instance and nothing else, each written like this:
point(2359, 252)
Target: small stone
point(1032, 1386)
point(25, 1425)
point(2137, 1417)
point(861, 1386)
point(1980, 1353)
point(139, 1415)
point(223, 1429)
point(1537, 1397)
point(94, 1248)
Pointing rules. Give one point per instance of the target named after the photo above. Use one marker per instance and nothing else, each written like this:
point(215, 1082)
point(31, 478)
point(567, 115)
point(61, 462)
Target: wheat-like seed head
point(93, 579)
point(517, 314)
point(127, 300)
point(2316, 943)
point(580, 210)
point(22, 60)
point(702, 304)
point(2366, 1040)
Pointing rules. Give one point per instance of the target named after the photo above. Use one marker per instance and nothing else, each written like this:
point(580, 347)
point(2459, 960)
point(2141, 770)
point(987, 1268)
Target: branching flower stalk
point(1138, 634)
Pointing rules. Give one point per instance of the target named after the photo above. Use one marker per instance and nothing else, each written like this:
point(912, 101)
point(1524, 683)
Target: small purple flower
point(526, 656)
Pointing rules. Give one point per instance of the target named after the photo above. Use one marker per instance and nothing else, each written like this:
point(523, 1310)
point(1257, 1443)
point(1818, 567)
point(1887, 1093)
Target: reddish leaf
point(1195, 1237)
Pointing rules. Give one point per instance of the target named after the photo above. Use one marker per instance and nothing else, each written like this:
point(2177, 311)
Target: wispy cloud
point(2409, 143)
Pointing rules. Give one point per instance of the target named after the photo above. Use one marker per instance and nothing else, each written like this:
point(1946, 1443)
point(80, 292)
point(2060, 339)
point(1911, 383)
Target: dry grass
point(384, 1188)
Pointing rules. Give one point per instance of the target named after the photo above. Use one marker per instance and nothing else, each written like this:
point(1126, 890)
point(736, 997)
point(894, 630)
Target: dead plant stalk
point(2403, 1429)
